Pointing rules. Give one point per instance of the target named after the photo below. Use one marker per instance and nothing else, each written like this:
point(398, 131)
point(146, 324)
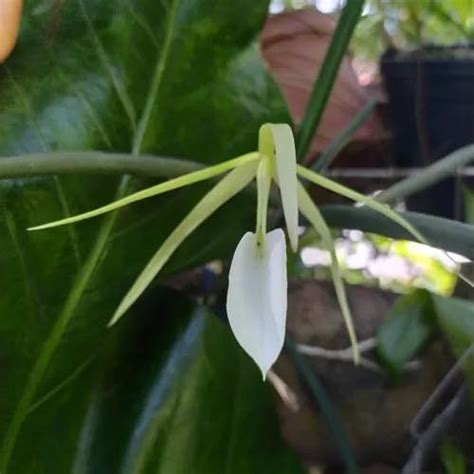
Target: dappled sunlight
point(400, 265)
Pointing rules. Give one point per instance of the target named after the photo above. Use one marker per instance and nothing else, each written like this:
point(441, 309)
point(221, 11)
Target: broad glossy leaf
point(166, 392)
point(407, 328)
point(163, 77)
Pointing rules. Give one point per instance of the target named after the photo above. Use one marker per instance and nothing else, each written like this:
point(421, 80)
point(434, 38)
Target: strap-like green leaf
point(161, 188)
point(360, 198)
point(228, 187)
point(312, 213)
point(327, 76)
point(442, 233)
point(264, 180)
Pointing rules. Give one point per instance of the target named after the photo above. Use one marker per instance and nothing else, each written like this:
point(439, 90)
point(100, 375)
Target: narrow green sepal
point(312, 213)
point(360, 198)
point(227, 188)
point(161, 188)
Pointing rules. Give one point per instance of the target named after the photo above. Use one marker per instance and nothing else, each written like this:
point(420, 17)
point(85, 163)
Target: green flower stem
point(101, 163)
point(97, 162)
point(264, 178)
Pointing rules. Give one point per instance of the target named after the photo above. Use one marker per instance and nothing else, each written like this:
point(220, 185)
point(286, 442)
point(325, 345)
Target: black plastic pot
point(431, 102)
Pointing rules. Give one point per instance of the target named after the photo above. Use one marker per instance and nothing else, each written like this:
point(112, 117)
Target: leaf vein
point(156, 80)
point(57, 182)
point(92, 260)
point(116, 83)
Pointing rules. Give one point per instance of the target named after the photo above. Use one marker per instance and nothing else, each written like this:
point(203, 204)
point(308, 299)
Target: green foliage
point(452, 458)
point(143, 77)
point(413, 320)
point(407, 328)
point(157, 396)
point(456, 319)
point(322, 88)
point(442, 233)
point(412, 24)
point(167, 390)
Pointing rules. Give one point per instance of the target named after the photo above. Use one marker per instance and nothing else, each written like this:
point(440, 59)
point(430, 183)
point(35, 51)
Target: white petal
point(257, 297)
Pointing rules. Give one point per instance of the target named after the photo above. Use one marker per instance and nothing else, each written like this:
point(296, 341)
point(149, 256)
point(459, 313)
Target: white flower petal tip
point(257, 297)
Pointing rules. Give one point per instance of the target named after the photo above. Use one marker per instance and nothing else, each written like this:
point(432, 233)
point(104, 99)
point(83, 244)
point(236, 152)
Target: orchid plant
point(257, 290)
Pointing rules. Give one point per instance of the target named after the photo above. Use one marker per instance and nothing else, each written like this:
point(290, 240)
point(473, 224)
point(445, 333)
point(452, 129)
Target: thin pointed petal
point(285, 154)
point(357, 197)
point(257, 297)
point(227, 188)
point(278, 139)
point(161, 188)
point(311, 212)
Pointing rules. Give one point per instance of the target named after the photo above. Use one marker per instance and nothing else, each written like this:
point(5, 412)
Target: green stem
point(102, 163)
point(263, 178)
point(428, 176)
point(93, 162)
point(97, 162)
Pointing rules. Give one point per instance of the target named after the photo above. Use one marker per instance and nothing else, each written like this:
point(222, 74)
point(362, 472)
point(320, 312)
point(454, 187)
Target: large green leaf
point(166, 392)
point(405, 331)
point(173, 77)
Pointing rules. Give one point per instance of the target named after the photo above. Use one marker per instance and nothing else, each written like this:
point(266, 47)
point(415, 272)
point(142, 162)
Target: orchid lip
point(257, 297)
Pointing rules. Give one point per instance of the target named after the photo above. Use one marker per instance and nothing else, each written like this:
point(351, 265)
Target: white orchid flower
point(257, 292)
point(257, 295)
